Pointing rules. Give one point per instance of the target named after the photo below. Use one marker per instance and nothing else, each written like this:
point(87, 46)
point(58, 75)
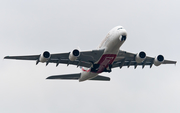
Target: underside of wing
point(77, 76)
point(85, 58)
point(30, 57)
point(130, 59)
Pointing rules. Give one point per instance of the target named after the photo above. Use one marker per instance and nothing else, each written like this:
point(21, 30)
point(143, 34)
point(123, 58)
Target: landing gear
point(95, 68)
point(108, 69)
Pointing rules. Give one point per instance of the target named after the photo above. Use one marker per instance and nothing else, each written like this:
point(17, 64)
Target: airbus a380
point(94, 62)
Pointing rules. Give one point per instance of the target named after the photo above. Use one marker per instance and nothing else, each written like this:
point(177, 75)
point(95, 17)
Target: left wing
point(85, 59)
point(129, 59)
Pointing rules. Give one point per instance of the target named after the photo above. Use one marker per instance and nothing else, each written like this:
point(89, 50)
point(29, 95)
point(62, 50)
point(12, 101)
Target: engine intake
point(140, 57)
point(74, 55)
point(44, 57)
point(158, 60)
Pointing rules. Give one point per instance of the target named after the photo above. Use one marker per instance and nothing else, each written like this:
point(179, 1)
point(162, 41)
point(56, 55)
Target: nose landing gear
point(123, 37)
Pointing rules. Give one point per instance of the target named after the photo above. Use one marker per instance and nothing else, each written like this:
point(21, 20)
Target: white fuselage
point(111, 45)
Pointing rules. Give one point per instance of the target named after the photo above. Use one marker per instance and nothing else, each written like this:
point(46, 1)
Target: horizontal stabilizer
point(68, 76)
point(101, 78)
point(77, 76)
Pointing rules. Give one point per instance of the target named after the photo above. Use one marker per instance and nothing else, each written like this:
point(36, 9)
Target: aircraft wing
point(128, 59)
point(85, 59)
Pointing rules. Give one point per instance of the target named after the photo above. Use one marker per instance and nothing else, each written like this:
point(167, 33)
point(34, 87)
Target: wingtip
point(5, 57)
point(50, 77)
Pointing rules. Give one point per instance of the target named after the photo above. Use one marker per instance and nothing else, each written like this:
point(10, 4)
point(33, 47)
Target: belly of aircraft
point(105, 61)
point(85, 75)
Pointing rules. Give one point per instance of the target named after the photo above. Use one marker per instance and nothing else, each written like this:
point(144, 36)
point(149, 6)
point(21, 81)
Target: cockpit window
point(119, 28)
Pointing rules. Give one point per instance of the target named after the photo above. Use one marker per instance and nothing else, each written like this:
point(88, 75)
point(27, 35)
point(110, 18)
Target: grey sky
point(31, 27)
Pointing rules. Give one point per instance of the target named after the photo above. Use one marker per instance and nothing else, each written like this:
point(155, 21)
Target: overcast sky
point(33, 26)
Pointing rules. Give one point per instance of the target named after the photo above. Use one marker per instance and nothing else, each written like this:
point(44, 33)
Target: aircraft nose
point(123, 32)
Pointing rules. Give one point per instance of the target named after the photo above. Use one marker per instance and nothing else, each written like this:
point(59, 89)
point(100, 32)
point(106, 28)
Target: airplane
point(93, 62)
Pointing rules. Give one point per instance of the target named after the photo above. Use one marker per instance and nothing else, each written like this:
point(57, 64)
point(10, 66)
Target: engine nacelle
point(140, 57)
point(74, 55)
point(158, 60)
point(44, 57)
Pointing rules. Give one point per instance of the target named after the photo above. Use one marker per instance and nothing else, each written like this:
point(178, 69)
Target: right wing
point(128, 59)
point(85, 59)
point(77, 76)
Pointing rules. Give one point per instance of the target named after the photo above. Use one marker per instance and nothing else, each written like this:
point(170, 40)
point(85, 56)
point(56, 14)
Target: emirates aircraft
point(94, 62)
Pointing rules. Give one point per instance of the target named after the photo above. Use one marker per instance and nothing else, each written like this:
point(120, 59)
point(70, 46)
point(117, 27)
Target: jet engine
point(44, 57)
point(158, 60)
point(74, 55)
point(140, 57)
